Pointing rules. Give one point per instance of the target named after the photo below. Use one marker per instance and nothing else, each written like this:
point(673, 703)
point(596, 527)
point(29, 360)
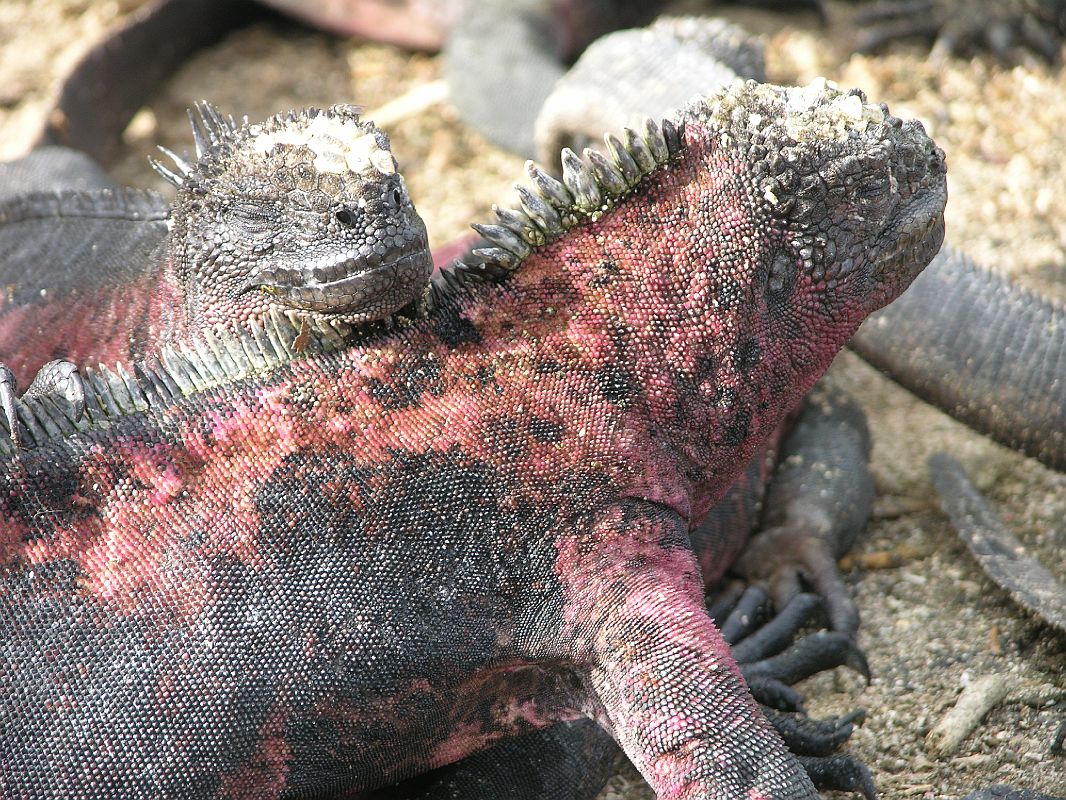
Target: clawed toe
point(805, 736)
point(840, 772)
point(58, 383)
point(812, 654)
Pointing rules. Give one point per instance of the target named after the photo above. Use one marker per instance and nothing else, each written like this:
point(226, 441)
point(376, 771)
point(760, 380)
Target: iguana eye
point(257, 220)
point(345, 217)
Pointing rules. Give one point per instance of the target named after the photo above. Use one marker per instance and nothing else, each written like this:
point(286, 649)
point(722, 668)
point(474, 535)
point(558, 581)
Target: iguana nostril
point(345, 217)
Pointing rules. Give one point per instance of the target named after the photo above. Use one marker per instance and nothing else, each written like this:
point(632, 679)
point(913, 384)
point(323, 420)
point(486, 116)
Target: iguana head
point(304, 213)
point(857, 194)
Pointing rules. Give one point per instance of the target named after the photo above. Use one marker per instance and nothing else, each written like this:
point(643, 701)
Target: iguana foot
point(785, 560)
point(56, 382)
point(770, 669)
point(814, 737)
point(812, 654)
point(959, 26)
point(760, 643)
point(840, 773)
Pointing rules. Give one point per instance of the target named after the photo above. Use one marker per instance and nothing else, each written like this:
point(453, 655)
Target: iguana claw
point(7, 401)
point(56, 379)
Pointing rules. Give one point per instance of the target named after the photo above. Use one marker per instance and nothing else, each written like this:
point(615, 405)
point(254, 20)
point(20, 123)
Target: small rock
point(980, 696)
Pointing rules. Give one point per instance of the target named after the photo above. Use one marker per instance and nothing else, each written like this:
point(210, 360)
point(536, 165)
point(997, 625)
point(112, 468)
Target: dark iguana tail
point(118, 75)
point(999, 365)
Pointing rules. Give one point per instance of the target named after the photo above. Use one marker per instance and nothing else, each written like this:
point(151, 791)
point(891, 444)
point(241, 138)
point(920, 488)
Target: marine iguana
point(255, 550)
point(304, 213)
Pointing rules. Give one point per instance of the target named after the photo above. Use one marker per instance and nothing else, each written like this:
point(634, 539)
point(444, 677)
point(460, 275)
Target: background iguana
point(304, 214)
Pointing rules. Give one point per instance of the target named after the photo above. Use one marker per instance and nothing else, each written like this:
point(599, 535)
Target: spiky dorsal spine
point(591, 185)
point(219, 358)
point(210, 130)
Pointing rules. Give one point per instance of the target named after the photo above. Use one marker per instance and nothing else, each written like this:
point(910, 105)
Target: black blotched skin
point(572, 761)
point(106, 64)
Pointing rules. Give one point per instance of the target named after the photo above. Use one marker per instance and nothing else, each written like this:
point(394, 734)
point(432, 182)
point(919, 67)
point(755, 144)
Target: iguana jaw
point(351, 289)
point(900, 255)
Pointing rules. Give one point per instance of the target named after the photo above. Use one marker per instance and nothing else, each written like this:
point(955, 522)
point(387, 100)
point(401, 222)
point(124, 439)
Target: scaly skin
point(572, 761)
point(292, 607)
point(304, 214)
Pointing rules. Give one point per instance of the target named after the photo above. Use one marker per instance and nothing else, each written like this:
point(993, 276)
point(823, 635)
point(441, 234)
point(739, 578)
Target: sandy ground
point(932, 624)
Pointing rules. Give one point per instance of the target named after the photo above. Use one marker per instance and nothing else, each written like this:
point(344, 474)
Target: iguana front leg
point(573, 760)
point(662, 677)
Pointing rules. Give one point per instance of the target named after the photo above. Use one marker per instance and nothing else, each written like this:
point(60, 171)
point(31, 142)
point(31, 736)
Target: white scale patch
point(818, 111)
point(339, 145)
point(837, 119)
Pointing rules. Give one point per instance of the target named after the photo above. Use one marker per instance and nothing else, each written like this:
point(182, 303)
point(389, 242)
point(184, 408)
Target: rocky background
point(932, 623)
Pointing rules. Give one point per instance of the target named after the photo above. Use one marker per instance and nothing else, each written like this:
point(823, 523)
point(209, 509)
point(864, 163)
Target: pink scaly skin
point(345, 569)
point(665, 681)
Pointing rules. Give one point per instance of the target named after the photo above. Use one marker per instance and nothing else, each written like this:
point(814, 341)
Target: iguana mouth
point(908, 251)
point(917, 233)
point(366, 285)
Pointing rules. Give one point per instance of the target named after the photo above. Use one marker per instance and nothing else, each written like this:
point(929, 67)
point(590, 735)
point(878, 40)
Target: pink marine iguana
point(232, 578)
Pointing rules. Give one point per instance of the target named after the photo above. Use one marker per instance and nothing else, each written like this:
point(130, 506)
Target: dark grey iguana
point(304, 214)
point(236, 580)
